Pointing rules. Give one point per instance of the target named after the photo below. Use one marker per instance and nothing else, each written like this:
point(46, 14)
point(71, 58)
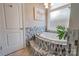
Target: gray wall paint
point(28, 15)
point(74, 17)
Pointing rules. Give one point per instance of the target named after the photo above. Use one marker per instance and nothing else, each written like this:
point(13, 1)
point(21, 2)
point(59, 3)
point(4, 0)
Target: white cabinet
point(13, 32)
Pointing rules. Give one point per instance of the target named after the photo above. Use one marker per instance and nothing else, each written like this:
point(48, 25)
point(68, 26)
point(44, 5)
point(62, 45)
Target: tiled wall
point(31, 31)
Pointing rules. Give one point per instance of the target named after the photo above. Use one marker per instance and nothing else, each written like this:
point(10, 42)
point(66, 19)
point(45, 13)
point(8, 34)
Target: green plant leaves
point(60, 31)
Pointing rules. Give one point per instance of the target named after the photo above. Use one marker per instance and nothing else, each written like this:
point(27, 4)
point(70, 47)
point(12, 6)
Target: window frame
point(52, 10)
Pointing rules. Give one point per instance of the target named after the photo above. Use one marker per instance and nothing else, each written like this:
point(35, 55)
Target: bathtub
point(48, 44)
point(51, 37)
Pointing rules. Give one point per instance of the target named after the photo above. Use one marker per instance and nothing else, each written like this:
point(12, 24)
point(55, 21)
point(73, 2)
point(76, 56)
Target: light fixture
point(46, 5)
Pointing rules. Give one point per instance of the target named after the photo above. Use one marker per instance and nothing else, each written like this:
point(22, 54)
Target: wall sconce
point(46, 5)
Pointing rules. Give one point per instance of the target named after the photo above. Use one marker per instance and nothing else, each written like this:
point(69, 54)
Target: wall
point(74, 17)
point(28, 15)
point(29, 21)
point(74, 29)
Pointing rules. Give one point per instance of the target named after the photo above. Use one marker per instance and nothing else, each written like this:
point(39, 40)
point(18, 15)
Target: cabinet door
point(14, 28)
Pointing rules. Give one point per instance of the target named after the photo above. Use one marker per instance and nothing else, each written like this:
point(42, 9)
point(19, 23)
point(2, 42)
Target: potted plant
point(61, 31)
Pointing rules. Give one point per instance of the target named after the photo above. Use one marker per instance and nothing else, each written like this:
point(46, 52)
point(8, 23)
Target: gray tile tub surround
point(30, 32)
point(72, 41)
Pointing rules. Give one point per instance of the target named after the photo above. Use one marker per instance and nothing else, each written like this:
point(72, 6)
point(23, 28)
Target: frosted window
point(58, 17)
